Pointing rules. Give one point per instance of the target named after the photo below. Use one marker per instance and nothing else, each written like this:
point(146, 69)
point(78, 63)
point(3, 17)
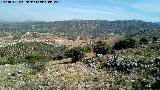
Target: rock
point(19, 72)
point(99, 55)
point(9, 74)
point(6, 65)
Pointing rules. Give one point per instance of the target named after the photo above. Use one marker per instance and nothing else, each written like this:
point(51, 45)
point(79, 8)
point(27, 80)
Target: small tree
point(123, 44)
point(154, 39)
point(143, 41)
point(75, 53)
point(100, 47)
point(131, 43)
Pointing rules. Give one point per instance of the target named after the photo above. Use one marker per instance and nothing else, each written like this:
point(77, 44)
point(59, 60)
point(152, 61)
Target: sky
point(146, 10)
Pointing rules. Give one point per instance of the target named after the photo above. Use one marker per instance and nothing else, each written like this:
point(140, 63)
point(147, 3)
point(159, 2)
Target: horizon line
point(77, 20)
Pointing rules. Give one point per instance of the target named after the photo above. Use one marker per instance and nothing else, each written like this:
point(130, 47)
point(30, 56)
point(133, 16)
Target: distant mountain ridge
point(93, 27)
point(157, 23)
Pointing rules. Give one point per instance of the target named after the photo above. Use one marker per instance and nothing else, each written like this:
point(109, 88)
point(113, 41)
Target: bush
point(124, 44)
point(100, 47)
point(139, 84)
point(143, 41)
point(33, 58)
point(155, 39)
point(156, 85)
point(87, 48)
point(75, 53)
point(58, 57)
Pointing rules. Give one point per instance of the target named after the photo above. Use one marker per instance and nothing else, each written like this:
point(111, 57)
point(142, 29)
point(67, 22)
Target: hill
point(94, 28)
point(24, 52)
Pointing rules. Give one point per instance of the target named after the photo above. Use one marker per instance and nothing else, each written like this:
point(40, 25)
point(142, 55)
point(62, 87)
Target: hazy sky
point(147, 10)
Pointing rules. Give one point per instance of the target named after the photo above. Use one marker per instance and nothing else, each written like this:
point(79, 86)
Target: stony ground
point(61, 75)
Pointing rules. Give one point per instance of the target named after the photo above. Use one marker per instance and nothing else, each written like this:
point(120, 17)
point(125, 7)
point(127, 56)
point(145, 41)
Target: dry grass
point(57, 75)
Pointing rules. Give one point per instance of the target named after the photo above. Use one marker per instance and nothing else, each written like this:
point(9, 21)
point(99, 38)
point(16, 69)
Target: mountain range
point(95, 28)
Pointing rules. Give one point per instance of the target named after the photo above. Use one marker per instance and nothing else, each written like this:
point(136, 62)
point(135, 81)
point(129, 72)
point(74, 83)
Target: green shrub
point(23, 51)
point(100, 47)
point(58, 57)
point(154, 39)
point(85, 49)
point(33, 58)
point(75, 53)
point(143, 40)
point(156, 85)
point(124, 44)
point(10, 60)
